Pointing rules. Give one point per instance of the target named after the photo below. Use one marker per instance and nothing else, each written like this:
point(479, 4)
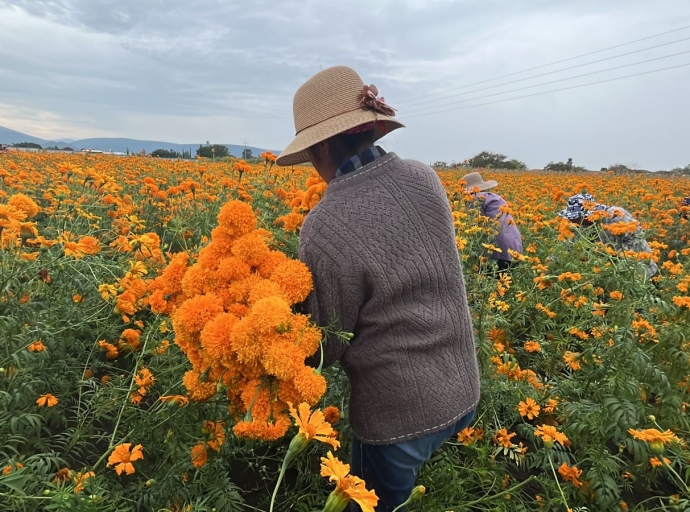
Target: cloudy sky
point(225, 71)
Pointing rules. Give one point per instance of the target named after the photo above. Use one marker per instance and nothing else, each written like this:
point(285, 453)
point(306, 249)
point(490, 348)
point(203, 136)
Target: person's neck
point(328, 174)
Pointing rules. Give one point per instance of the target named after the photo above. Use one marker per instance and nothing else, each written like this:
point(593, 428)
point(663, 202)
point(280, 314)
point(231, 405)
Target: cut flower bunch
point(232, 316)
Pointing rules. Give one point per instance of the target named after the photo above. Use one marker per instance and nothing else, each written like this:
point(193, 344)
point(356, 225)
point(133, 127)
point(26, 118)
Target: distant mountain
point(116, 145)
point(8, 136)
point(135, 146)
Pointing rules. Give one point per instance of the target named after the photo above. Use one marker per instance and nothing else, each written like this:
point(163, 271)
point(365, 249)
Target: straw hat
point(332, 102)
point(474, 181)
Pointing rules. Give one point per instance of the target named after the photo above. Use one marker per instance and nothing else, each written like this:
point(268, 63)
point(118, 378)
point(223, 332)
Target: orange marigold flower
point(570, 474)
point(570, 359)
point(199, 455)
point(682, 302)
point(36, 346)
point(295, 280)
point(80, 479)
point(656, 462)
point(122, 458)
point(111, 351)
point(216, 434)
point(24, 204)
point(174, 399)
point(348, 487)
point(503, 438)
point(331, 414)
point(313, 426)
point(529, 408)
point(549, 434)
point(193, 315)
point(616, 295)
point(532, 346)
point(47, 400)
point(652, 435)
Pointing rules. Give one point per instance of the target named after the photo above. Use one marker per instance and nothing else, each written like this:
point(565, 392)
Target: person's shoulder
point(415, 165)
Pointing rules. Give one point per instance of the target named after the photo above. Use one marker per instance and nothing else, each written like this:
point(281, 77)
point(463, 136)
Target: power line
point(551, 82)
point(553, 90)
point(551, 72)
point(547, 65)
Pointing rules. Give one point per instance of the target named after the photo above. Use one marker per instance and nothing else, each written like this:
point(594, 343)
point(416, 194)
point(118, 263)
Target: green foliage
point(32, 145)
point(486, 159)
point(165, 153)
point(214, 151)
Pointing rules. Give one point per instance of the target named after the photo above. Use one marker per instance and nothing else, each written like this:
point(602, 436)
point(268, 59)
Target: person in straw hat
point(494, 206)
point(381, 248)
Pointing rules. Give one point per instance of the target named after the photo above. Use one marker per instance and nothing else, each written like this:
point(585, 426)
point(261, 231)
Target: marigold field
point(152, 347)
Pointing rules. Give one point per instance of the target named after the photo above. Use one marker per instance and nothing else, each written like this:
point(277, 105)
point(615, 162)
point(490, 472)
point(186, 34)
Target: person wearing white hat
point(492, 206)
point(381, 249)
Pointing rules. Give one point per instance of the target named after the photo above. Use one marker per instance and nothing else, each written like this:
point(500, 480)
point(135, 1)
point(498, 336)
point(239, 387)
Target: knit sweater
point(382, 251)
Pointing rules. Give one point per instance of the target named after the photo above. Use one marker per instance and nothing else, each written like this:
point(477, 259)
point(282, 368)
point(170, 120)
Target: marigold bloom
point(175, 399)
point(47, 400)
point(549, 434)
point(36, 346)
point(313, 425)
point(24, 204)
point(570, 358)
point(122, 458)
point(616, 295)
point(532, 346)
point(529, 408)
point(348, 487)
point(331, 414)
point(570, 474)
point(503, 438)
point(80, 479)
point(199, 455)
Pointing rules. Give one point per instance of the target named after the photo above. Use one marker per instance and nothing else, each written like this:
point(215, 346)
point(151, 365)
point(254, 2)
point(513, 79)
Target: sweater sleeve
point(334, 301)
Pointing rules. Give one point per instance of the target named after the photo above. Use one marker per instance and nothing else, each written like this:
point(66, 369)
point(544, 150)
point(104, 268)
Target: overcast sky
point(194, 70)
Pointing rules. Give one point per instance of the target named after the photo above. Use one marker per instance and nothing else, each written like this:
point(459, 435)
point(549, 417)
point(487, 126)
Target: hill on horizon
point(117, 144)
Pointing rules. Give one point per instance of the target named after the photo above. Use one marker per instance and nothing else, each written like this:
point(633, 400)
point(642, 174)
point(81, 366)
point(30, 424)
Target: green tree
point(165, 153)
point(246, 153)
point(495, 161)
point(27, 145)
point(213, 151)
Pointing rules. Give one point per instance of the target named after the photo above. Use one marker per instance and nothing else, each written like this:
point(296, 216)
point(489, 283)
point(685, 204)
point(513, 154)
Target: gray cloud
point(221, 70)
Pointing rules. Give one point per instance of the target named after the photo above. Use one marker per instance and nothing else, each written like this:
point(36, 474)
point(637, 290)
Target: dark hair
point(347, 145)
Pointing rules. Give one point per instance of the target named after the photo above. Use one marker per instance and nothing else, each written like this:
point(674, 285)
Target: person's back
point(387, 233)
point(508, 238)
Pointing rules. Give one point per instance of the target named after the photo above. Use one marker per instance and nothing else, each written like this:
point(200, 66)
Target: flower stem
point(555, 476)
point(502, 493)
point(288, 458)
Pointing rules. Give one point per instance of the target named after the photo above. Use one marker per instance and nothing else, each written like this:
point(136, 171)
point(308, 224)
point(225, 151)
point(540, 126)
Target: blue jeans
point(392, 469)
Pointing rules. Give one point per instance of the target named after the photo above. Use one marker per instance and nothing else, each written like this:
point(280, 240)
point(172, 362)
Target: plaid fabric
point(365, 157)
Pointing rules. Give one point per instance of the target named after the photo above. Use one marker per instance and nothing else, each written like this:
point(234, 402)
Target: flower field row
point(153, 355)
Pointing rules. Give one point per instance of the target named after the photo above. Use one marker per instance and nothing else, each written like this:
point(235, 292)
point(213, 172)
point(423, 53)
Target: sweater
point(381, 248)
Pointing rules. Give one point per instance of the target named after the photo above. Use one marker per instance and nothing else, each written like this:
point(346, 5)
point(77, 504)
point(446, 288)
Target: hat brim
point(296, 152)
point(484, 185)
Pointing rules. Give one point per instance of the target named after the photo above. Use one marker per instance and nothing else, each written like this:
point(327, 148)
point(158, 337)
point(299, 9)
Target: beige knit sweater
point(381, 247)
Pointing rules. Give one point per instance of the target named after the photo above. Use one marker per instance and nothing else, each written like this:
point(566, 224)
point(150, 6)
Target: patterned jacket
point(627, 241)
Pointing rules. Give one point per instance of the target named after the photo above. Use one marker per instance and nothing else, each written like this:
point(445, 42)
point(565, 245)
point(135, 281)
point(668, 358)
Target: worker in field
point(381, 248)
point(618, 228)
point(495, 207)
point(685, 207)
